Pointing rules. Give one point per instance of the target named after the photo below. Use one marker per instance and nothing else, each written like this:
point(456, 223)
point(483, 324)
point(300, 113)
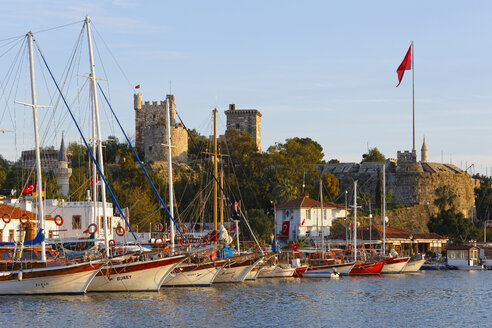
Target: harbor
point(425, 299)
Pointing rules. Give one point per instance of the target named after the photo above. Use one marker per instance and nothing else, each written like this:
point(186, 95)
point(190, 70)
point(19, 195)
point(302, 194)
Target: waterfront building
point(302, 218)
point(403, 242)
point(464, 257)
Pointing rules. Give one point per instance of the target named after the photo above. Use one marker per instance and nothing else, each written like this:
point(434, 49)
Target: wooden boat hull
point(60, 279)
point(236, 271)
point(145, 275)
point(342, 269)
point(199, 275)
point(361, 269)
point(395, 265)
point(276, 272)
point(413, 266)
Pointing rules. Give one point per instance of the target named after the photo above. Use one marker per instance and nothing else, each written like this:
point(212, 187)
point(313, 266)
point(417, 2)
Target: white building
point(301, 218)
point(76, 218)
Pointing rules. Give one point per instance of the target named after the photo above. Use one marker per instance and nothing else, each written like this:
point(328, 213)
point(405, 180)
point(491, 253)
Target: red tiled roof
point(460, 247)
point(308, 202)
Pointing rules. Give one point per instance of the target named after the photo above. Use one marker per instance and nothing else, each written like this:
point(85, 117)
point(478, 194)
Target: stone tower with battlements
point(247, 120)
point(151, 134)
point(63, 172)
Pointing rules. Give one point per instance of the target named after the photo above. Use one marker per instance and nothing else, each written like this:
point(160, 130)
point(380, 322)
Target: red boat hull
point(300, 270)
point(364, 268)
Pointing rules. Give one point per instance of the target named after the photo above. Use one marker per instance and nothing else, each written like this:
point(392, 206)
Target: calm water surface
point(427, 299)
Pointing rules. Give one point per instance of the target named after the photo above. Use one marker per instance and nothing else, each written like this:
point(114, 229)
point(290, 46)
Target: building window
point(150, 148)
point(11, 235)
point(153, 116)
point(76, 222)
point(237, 126)
point(50, 233)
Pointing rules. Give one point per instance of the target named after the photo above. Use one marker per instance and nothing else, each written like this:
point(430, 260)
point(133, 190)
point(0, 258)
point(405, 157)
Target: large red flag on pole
point(405, 65)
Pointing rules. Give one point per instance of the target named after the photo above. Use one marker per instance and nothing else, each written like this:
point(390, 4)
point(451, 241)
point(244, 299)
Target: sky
point(319, 69)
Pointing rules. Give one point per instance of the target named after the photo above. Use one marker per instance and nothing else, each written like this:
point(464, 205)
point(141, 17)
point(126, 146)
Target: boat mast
point(170, 172)
point(322, 217)
point(355, 220)
point(98, 129)
point(221, 203)
point(384, 210)
point(215, 176)
point(39, 185)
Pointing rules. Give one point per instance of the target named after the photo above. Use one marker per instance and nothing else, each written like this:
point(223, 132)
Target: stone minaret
point(423, 152)
point(63, 172)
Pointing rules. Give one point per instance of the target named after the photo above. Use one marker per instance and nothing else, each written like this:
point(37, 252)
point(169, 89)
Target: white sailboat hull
point(69, 279)
point(396, 267)
point(413, 266)
point(342, 269)
point(235, 273)
point(200, 277)
point(276, 272)
point(132, 277)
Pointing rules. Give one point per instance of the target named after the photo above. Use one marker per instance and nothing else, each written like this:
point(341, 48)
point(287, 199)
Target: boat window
point(76, 222)
point(30, 255)
point(5, 255)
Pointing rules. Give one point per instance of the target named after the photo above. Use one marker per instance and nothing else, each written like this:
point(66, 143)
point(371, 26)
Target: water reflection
point(437, 299)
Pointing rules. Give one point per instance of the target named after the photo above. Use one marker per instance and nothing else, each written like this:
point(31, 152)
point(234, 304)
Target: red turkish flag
point(405, 65)
point(29, 189)
point(488, 224)
point(137, 86)
point(285, 228)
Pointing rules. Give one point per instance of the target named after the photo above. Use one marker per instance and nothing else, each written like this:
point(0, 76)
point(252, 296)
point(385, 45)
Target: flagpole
point(413, 97)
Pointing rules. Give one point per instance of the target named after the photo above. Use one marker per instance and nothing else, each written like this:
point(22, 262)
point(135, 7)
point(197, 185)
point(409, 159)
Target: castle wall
point(247, 120)
point(150, 130)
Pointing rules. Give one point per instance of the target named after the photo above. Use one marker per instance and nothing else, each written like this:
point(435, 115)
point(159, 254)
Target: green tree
point(453, 225)
point(373, 155)
point(331, 187)
point(445, 198)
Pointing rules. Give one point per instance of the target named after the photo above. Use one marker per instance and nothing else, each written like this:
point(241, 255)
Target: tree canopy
point(373, 155)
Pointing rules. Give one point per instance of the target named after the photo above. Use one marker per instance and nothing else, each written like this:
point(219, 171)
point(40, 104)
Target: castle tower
point(150, 130)
point(247, 120)
point(423, 152)
point(63, 172)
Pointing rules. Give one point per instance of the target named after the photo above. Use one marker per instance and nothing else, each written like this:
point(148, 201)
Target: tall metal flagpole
point(413, 97)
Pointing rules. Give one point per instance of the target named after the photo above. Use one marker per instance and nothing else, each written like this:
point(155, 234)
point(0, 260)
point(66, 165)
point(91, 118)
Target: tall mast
point(322, 216)
point(413, 97)
point(215, 175)
point(355, 220)
point(170, 171)
point(384, 210)
point(221, 196)
point(98, 130)
point(39, 185)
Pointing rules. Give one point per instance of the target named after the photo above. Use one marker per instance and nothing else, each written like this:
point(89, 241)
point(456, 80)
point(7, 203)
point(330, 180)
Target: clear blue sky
point(319, 69)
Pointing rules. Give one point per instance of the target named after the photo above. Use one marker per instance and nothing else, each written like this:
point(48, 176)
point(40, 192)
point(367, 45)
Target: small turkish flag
point(488, 224)
point(285, 228)
point(137, 86)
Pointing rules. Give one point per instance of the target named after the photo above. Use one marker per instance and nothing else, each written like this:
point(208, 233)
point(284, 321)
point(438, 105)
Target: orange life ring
point(158, 244)
point(183, 243)
point(349, 247)
point(120, 231)
point(58, 220)
point(168, 230)
point(24, 221)
point(183, 229)
point(94, 226)
point(204, 241)
point(112, 243)
point(6, 218)
point(158, 227)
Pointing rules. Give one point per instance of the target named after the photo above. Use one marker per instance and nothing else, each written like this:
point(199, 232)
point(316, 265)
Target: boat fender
point(6, 217)
point(58, 220)
point(24, 219)
point(159, 242)
point(120, 231)
point(19, 276)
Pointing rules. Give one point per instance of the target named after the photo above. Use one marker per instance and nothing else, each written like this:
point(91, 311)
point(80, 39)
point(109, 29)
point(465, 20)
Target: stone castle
point(247, 120)
point(410, 182)
point(151, 134)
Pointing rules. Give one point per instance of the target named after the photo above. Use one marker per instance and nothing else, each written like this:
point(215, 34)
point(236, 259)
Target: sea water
point(425, 299)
